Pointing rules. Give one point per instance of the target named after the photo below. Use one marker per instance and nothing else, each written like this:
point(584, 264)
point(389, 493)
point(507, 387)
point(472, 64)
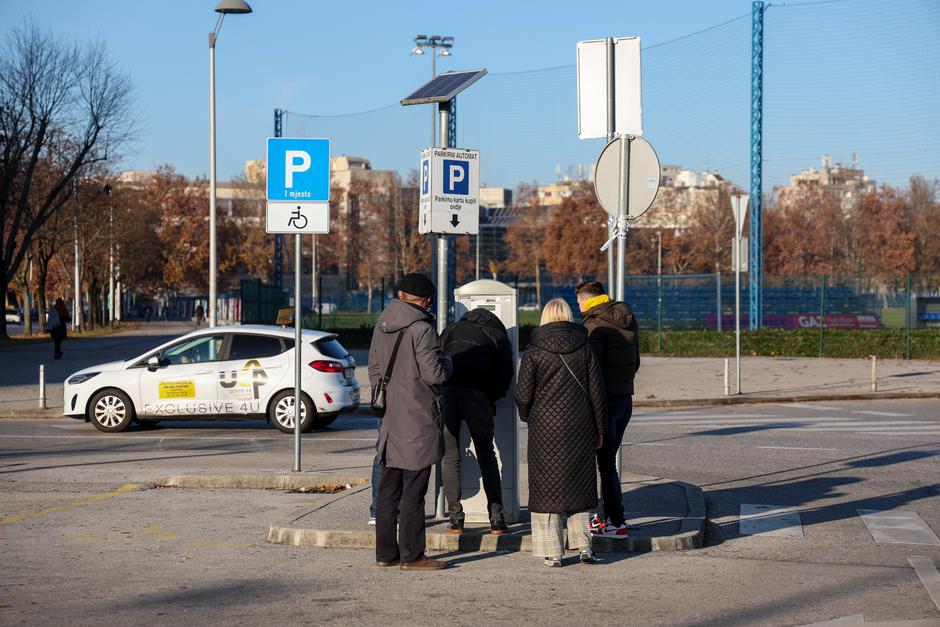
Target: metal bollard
point(874, 373)
point(727, 378)
point(42, 386)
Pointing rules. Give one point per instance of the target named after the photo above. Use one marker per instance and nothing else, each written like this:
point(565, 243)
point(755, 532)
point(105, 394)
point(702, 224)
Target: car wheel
point(321, 422)
point(281, 412)
point(110, 411)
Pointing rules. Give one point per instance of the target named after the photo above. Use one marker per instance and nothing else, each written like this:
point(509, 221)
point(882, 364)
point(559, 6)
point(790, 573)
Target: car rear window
point(254, 346)
point(329, 347)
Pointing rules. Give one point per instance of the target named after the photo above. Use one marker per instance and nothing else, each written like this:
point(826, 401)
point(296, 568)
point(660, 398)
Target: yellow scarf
point(594, 302)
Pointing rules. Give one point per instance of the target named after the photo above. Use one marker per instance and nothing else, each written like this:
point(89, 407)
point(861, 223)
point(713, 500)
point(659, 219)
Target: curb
point(806, 398)
point(691, 535)
point(364, 410)
point(260, 482)
point(31, 414)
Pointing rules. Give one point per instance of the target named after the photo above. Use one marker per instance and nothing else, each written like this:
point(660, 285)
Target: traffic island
point(664, 515)
point(296, 482)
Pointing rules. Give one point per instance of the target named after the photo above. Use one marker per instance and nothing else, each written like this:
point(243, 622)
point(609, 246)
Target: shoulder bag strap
point(573, 376)
point(391, 362)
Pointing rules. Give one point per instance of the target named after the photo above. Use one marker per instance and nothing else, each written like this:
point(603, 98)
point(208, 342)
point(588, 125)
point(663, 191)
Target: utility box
point(500, 299)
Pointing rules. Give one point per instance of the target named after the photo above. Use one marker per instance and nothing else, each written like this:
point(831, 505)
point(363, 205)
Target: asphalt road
point(77, 547)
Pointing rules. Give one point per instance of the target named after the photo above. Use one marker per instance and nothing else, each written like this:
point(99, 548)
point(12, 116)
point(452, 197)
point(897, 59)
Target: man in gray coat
point(410, 439)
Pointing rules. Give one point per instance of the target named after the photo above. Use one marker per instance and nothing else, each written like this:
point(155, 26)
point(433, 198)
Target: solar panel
point(443, 87)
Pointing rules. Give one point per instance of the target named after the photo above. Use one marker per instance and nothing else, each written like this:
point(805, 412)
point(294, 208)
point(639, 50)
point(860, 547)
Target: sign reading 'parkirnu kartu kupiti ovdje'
point(450, 191)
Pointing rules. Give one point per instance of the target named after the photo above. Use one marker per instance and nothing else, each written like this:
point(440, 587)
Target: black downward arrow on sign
point(455, 220)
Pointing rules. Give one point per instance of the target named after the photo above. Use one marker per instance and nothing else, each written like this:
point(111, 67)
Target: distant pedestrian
point(200, 315)
point(561, 396)
point(406, 353)
point(613, 333)
point(479, 347)
point(148, 312)
point(56, 321)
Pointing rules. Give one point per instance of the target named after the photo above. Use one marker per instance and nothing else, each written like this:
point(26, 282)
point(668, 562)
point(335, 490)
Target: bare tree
point(63, 103)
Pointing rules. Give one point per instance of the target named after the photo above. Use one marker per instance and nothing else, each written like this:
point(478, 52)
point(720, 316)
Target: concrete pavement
point(93, 551)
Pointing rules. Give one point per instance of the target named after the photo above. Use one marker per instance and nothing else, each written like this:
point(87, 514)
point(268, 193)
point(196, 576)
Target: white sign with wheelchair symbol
point(298, 217)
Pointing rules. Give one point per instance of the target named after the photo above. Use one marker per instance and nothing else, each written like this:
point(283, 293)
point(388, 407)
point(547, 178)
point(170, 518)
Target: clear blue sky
point(341, 57)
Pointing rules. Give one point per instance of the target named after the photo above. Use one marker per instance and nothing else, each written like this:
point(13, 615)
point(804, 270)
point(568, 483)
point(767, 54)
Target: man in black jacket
point(613, 333)
point(482, 356)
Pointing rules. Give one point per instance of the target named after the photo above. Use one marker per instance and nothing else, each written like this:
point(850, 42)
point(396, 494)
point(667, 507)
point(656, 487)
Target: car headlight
point(81, 378)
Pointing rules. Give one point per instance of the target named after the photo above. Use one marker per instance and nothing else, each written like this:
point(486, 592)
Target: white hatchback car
point(242, 371)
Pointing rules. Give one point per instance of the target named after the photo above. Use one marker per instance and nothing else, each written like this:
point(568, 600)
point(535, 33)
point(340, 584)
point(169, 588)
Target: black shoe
point(497, 521)
point(455, 526)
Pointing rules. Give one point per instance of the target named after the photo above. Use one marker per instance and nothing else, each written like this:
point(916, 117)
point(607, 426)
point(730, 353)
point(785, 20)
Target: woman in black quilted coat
point(560, 395)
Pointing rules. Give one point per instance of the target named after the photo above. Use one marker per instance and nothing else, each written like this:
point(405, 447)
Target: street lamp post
point(223, 8)
point(107, 189)
point(445, 43)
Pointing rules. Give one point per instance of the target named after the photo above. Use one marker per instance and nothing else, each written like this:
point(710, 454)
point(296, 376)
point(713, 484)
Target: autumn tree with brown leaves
point(575, 232)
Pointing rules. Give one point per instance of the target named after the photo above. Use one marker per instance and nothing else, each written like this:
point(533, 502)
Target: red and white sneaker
point(597, 525)
point(609, 530)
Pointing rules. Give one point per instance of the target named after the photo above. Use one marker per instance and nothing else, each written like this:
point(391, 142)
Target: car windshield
point(197, 349)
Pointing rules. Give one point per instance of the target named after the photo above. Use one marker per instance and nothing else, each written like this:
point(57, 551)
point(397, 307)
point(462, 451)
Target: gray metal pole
point(477, 237)
point(313, 271)
point(111, 262)
point(718, 323)
point(737, 309)
point(213, 262)
point(298, 349)
point(622, 212)
point(611, 123)
point(442, 300)
point(42, 382)
point(77, 305)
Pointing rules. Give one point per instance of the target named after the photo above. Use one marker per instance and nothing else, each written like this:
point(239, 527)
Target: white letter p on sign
point(456, 176)
point(290, 166)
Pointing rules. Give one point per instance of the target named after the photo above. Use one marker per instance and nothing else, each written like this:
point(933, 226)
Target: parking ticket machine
point(501, 300)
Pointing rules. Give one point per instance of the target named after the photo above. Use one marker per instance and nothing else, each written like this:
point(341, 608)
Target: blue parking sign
point(456, 177)
point(298, 169)
point(425, 176)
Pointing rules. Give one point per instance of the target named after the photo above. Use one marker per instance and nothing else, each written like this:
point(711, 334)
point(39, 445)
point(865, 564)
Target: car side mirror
point(153, 363)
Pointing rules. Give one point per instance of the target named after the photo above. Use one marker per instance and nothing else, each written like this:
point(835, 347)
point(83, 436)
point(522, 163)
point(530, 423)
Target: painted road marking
point(928, 576)
point(124, 489)
point(881, 413)
point(895, 526)
point(144, 438)
point(700, 416)
point(922, 427)
point(809, 406)
point(752, 420)
point(770, 520)
point(796, 448)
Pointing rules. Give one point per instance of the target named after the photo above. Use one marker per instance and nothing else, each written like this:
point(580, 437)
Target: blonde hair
point(556, 310)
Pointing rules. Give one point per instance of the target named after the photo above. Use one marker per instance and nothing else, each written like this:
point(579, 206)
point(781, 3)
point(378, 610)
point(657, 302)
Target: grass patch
point(837, 343)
